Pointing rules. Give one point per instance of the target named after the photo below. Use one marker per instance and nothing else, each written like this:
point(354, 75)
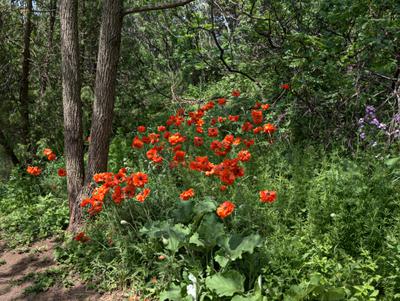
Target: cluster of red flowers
point(51, 156)
point(123, 186)
point(170, 143)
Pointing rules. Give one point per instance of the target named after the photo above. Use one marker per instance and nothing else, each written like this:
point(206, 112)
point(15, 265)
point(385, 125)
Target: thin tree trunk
point(106, 74)
point(44, 80)
point(24, 82)
point(73, 135)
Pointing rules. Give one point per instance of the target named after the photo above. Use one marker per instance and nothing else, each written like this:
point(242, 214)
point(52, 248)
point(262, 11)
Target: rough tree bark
point(24, 81)
point(72, 106)
point(106, 75)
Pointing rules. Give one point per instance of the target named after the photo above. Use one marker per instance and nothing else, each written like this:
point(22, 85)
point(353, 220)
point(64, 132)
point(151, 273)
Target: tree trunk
point(24, 81)
point(44, 78)
point(106, 74)
point(72, 106)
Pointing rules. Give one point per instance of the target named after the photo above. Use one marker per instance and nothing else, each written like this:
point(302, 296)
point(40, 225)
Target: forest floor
point(32, 274)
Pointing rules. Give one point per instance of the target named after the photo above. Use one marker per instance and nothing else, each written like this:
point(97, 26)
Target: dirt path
point(18, 270)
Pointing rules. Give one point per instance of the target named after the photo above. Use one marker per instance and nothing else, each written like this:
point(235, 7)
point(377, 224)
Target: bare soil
point(15, 266)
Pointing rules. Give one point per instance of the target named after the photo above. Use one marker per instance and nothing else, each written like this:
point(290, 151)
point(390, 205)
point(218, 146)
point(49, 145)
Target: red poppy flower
point(223, 187)
point(137, 143)
point(61, 172)
point(34, 170)
point(47, 151)
point(117, 195)
point(161, 128)
point(244, 155)
point(269, 128)
point(258, 130)
point(141, 128)
point(198, 141)
point(187, 194)
point(221, 101)
point(265, 107)
point(179, 156)
point(143, 195)
point(51, 157)
point(235, 93)
point(140, 179)
point(233, 118)
point(81, 237)
point(267, 196)
point(285, 86)
point(212, 132)
point(225, 209)
point(247, 126)
point(257, 116)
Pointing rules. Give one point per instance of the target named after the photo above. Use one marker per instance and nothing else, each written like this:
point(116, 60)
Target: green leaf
point(172, 294)
point(221, 259)
point(210, 230)
point(205, 206)
point(334, 294)
point(248, 298)
point(194, 239)
point(235, 245)
point(226, 284)
point(392, 162)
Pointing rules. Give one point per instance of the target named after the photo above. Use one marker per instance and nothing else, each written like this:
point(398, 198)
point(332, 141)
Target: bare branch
point(152, 7)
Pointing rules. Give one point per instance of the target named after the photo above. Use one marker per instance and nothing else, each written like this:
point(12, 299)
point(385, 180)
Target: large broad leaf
point(173, 236)
point(205, 206)
point(176, 237)
point(184, 212)
point(392, 162)
point(226, 284)
point(249, 298)
point(155, 229)
point(210, 230)
point(334, 294)
point(235, 246)
point(172, 294)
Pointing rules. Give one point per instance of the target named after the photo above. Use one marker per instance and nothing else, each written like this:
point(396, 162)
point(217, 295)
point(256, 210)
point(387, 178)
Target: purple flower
point(397, 118)
point(375, 122)
point(382, 126)
point(370, 110)
point(362, 136)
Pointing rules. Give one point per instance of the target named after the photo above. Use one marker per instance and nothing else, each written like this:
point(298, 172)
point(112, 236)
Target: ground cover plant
point(200, 149)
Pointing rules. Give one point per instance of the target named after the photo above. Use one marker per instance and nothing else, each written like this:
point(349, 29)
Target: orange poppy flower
point(244, 155)
point(212, 132)
point(137, 143)
point(225, 209)
point(267, 196)
point(51, 157)
point(257, 116)
point(198, 141)
point(143, 195)
point(140, 179)
point(34, 170)
point(187, 194)
point(61, 172)
point(47, 151)
point(221, 101)
point(235, 93)
point(269, 128)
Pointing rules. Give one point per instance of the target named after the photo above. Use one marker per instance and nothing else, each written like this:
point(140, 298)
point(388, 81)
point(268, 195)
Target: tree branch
point(160, 6)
